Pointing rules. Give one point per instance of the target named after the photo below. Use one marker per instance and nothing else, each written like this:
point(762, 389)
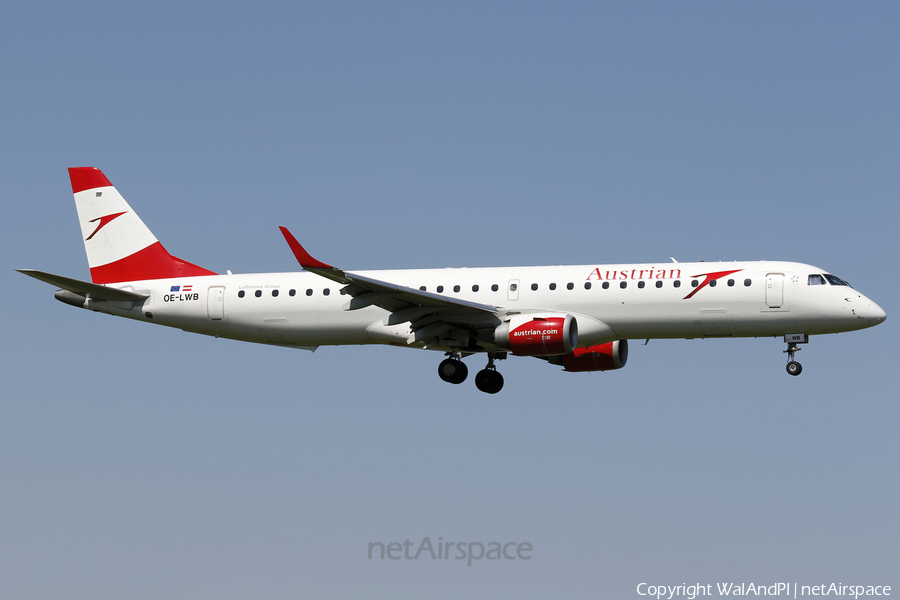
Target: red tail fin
point(119, 246)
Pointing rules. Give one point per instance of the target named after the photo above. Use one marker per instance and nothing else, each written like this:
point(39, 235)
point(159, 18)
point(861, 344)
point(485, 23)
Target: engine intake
point(538, 335)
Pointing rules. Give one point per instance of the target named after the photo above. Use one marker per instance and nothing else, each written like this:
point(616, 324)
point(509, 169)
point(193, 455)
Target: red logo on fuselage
point(709, 277)
point(657, 273)
point(103, 222)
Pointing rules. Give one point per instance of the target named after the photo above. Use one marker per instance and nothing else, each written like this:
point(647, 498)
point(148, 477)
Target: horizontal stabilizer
point(83, 288)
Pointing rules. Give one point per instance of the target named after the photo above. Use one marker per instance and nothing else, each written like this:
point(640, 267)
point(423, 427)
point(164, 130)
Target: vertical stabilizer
point(119, 246)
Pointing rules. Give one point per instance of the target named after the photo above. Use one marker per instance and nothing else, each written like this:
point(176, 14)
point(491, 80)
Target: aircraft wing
point(430, 315)
point(83, 288)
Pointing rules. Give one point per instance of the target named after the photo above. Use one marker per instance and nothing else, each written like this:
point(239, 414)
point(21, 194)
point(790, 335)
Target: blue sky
point(143, 462)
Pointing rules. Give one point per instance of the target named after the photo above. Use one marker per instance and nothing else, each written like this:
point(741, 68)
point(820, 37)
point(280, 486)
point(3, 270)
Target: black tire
point(453, 371)
point(489, 381)
point(794, 368)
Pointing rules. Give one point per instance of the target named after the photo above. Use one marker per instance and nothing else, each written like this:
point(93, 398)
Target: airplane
point(577, 317)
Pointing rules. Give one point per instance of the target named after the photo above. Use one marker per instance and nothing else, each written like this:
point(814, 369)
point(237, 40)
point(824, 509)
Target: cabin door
point(215, 303)
point(774, 290)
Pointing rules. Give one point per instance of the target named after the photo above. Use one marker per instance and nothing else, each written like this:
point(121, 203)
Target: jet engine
point(605, 357)
point(548, 334)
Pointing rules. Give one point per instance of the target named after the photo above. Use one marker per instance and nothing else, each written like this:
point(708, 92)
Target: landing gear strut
point(489, 380)
point(793, 367)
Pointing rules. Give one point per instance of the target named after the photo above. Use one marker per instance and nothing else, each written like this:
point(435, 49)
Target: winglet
point(306, 261)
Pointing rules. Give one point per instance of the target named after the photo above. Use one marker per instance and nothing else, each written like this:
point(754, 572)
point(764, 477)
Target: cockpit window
point(816, 280)
point(835, 280)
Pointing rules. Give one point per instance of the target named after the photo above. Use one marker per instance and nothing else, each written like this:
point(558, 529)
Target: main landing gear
point(793, 367)
point(453, 370)
point(488, 380)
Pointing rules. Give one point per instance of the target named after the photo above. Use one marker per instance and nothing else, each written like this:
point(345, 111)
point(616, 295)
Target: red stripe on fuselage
point(153, 262)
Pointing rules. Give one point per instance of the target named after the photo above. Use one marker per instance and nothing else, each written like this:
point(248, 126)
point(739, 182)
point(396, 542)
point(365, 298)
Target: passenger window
point(258, 293)
point(274, 293)
point(746, 283)
point(570, 286)
point(456, 288)
point(694, 283)
point(292, 293)
point(552, 286)
point(513, 287)
point(241, 294)
point(309, 292)
point(659, 284)
point(713, 283)
point(440, 289)
point(326, 291)
point(641, 284)
point(475, 288)
point(422, 288)
point(676, 283)
point(731, 283)
point(605, 285)
point(623, 285)
point(495, 287)
point(534, 287)
point(816, 280)
point(587, 285)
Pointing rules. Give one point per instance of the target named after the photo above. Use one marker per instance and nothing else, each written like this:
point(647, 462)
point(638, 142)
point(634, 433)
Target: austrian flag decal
point(181, 293)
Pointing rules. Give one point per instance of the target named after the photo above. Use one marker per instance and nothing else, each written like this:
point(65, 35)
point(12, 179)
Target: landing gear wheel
point(489, 381)
point(453, 371)
point(793, 367)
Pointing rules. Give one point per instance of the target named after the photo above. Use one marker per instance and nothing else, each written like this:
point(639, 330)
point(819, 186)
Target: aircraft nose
point(874, 313)
point(879, 313)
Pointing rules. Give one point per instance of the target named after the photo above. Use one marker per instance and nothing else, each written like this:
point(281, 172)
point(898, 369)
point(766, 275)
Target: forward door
point(775, 290)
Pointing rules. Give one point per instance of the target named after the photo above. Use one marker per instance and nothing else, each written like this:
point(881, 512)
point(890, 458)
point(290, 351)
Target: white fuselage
point(667, 300)
point(578, 317)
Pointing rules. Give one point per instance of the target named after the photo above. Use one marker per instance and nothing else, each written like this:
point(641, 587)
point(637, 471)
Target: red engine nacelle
point(538, 335)
point(604, 357)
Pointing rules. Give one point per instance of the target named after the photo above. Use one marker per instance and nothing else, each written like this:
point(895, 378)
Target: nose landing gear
point(793, 367)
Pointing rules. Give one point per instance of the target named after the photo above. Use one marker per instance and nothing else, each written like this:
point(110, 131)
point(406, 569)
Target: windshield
point(835, 280)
